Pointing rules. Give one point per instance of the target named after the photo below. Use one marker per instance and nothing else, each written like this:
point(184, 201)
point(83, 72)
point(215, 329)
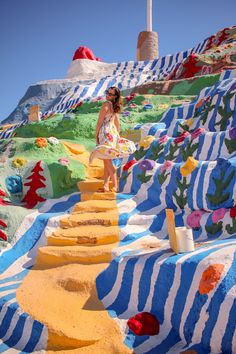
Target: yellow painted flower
point(19, 162)
point(163, 106)
point(189, 166)
point(146, 142)
point(189, 122)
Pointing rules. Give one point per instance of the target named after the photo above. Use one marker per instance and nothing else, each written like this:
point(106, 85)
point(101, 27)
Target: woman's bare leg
point(106, 175)
point(112, 172)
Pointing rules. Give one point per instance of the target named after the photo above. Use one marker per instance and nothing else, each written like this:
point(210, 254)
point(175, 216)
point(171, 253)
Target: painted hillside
point(103, 260)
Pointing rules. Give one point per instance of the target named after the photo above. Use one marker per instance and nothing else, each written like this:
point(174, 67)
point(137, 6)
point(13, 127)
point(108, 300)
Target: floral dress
point(111, 145)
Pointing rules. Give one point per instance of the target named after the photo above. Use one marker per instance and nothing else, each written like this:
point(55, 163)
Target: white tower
point(147, 47)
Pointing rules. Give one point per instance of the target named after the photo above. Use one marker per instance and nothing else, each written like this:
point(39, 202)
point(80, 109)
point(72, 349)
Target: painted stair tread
point(55, 255)
point(91, 185)
point(95, 172)
point(77, 318)
point(102, 218)
point(84, 235)
point(98, 196)
point(74, 148)
point(94, 206)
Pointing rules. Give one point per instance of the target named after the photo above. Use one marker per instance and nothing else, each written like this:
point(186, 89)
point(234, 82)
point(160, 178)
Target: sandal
point(103, 190)
point(114, 190)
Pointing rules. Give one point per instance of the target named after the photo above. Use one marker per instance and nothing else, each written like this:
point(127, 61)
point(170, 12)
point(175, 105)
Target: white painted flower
point(52, 140)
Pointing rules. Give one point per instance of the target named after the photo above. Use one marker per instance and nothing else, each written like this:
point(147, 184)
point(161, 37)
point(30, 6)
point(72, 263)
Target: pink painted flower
point(64, 161)
point(163, 139)
point(132, 105)
point(181, 137)
point(197, 132)
point(193, 220)
point(166, 165)
point(218, 215)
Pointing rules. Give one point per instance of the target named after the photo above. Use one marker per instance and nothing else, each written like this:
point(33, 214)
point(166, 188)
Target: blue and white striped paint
point(18, 330)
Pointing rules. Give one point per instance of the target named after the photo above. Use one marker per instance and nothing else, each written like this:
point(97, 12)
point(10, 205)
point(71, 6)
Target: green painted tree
point(220, 196)
point(225, 111)
point(181, 199)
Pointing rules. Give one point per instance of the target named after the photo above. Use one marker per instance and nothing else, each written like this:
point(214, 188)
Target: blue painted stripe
point(227, 339)
point(16, 334)
point(31, 236)
point(122, 300)
point(36, 332)
point(146, 278)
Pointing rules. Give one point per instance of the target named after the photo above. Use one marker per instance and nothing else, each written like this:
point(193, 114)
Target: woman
point(109, 143)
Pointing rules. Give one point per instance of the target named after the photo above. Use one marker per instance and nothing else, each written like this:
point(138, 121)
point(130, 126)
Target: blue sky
point(39, 37)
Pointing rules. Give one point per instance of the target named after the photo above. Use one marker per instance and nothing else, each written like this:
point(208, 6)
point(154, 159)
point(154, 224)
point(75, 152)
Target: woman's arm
point(117, 122)
point(103, 111)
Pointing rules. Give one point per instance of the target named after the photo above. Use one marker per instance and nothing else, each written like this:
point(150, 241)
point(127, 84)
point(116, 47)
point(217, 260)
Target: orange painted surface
point(210, 278)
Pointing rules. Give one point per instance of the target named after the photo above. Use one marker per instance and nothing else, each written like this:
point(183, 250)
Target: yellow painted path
point(60, 290)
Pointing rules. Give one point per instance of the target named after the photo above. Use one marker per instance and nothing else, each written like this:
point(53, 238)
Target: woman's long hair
point(117, 103)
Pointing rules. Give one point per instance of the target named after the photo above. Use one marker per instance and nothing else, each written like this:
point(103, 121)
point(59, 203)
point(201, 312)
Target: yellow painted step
point(95, 206)
point(91, 185)
point(74, 148)
point(105, 219)
point(65, 300)
point(98, 196)
point(53, 256)
point(95, 172)
point(90, 235)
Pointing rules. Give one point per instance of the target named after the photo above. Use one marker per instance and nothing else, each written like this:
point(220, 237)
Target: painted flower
point(19, 162)
point(64, 161)
point(41, 142)
point(132, 105)
point(2, 193)
point(197, 132)
point(144, 323)
point(163, 139)
point(125, 113)
point(3, 235)
point(233, 212)
point(166, 165)
point(2, 223)
point(145, 102)
point(109, 136)
point(163, 106)
point(52, 140)
point(146, 165)
point(130, 97)
point(148, 106)
point(14, 184)
point(232, 133)
point(181, 138)
point(146, 142)
point(189, 122)
point(189, 166)
point(218, 214)
point(193, 220)
point(210, 278)
point(129, 164)
point(200, 103)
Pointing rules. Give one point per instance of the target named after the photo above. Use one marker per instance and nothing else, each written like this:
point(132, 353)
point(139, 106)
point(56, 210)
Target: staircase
point(60, 291)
